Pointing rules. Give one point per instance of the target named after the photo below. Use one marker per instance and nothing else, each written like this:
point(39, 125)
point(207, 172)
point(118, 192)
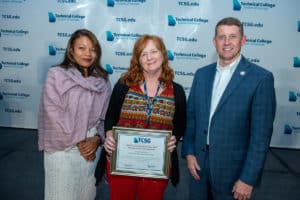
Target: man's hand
point(241, 190)
point(193, 166)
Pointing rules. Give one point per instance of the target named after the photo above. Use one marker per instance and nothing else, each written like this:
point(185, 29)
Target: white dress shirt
point(222, 78)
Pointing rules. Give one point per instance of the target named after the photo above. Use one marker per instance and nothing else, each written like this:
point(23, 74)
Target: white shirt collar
point(231, 67)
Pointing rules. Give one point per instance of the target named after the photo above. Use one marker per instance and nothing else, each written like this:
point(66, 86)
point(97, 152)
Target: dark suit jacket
point(241, 126)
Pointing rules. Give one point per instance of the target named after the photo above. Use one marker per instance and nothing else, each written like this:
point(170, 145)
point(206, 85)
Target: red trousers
point(135, 188)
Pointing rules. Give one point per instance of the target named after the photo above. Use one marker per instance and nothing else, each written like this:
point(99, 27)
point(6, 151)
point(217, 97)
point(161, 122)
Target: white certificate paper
point(141, 152)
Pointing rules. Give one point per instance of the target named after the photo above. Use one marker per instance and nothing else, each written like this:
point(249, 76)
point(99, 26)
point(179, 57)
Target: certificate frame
point(141, 152)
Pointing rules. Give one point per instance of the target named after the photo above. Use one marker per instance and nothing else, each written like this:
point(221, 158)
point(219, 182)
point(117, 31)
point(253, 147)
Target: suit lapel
point(240, 73)
point(208, 90)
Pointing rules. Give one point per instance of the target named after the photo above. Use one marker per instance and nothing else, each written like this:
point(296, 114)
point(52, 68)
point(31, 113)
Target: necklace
point(149, 103)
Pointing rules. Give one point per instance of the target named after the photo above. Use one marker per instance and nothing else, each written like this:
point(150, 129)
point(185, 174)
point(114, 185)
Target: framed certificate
point(141, 152)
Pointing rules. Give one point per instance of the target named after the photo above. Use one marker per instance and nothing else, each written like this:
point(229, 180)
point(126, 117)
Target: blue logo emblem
point(292, 96)
point(110, 3)
point(52, 50)
point(109, 36)
point(109, 69)
point(143, 140)
point(287, 129)
point(236, 5)
point(51, 17)
point(171, 20)
point(170, 55)
point(296, 62)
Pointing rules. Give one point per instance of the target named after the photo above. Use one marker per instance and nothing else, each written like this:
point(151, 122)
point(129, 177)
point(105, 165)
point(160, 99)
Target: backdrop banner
point(34, 35)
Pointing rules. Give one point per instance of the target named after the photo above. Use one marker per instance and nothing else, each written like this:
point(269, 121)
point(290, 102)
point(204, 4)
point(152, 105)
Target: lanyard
point(150, 104)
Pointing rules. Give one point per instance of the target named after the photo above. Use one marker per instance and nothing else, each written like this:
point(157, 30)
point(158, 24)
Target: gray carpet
point(21, 171)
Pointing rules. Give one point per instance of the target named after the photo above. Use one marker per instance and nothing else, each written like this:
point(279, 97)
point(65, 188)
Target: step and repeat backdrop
point(34, 34)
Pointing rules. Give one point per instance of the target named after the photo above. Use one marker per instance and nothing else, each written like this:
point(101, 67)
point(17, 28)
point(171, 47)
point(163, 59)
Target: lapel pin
point(242, 73)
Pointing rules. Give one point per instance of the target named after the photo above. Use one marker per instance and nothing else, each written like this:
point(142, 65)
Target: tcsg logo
point(143, 140)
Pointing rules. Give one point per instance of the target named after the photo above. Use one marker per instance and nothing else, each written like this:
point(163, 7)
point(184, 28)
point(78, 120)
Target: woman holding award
point(145, 97)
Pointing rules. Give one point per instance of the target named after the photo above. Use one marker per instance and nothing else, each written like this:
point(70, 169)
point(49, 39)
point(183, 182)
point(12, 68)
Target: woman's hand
point(109, 143)
point(88, 147)
point(172, 144)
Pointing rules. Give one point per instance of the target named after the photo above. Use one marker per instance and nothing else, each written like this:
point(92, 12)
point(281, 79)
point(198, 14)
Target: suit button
point(205, 132)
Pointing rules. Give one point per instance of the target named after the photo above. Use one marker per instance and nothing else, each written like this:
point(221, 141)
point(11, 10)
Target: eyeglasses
point(149, 53)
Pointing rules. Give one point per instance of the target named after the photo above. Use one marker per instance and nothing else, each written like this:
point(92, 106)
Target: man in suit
point(230, 114)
